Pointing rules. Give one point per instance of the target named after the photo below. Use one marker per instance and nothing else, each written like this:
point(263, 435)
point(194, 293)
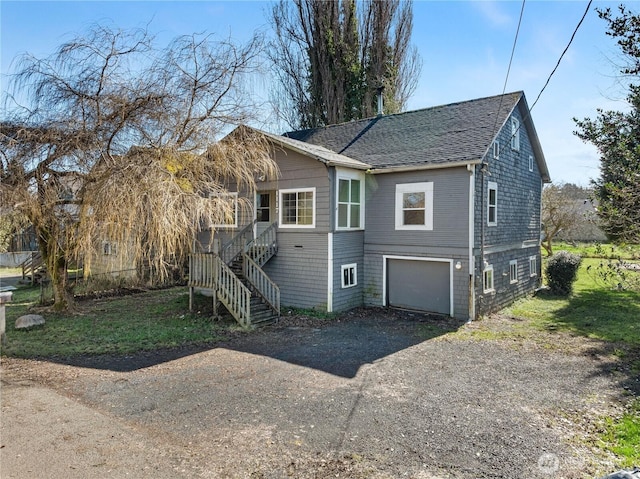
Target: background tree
point(617, 137)
point(116, 141)
point(564, 213)
point(559, 212)
point(331, 57)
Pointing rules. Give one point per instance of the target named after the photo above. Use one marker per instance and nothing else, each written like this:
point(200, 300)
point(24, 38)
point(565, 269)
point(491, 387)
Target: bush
point(561, 272)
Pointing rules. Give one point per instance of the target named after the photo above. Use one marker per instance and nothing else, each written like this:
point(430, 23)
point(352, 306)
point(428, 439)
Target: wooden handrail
point(236, 246)
point(264, 286)
point(264, 246)
point(207, 270)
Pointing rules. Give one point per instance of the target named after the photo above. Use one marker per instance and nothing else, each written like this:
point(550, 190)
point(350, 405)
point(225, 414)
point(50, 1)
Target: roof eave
point(426, 166)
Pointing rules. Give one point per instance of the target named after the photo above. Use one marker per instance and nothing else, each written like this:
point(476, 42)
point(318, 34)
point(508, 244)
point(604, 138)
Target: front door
point(265, 210)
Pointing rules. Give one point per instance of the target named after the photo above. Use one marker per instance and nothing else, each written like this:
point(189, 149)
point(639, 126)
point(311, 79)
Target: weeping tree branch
point(118, 141)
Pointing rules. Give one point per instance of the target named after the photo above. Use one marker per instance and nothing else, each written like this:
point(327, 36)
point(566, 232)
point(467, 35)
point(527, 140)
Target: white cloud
point(493, 12)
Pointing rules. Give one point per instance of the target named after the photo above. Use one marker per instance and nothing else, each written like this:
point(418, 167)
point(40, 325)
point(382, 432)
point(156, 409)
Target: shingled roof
point(438, 136)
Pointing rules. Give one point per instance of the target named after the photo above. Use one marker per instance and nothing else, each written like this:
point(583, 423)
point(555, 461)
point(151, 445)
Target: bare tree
point(331, 57)
point(560, 211)
point(117, 140)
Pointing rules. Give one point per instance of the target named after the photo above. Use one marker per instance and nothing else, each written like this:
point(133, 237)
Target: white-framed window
point(496, 150)
point(350, 200)
point(533, 266)
point(263, 207)
point(414, 206)
point(513, 271)
point(530, 163)
point(230, 219)
point(349, 275)
point(109, 248)
point(492, 204)
point(515, 134)
point(298, 208)
point(487, 279)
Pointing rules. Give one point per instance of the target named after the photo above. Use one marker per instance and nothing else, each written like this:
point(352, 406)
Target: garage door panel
point(421, 285)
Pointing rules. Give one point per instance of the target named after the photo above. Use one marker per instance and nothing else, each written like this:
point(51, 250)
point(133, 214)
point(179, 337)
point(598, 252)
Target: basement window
point(513, 271)
point(533, 266)
point(349, 275)
point(487, 279)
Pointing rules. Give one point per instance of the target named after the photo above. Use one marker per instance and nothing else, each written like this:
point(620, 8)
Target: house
point(434, 210)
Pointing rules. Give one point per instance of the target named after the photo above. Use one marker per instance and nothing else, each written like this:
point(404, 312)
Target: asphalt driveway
point(373, 395)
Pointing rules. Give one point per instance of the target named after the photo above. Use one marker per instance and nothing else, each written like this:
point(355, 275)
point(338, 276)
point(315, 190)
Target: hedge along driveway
point(312, 400)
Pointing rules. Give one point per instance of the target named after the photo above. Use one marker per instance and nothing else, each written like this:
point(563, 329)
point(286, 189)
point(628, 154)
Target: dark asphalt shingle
point(438, 135)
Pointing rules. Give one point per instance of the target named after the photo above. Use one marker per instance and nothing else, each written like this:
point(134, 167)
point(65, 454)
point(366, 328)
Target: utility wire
point(563, 53)
point(513, 50)
point(573, 35)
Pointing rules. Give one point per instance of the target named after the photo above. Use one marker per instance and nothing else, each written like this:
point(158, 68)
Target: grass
point(120, 325)
point(591, 310)
point(622, 436)
point(600, 250)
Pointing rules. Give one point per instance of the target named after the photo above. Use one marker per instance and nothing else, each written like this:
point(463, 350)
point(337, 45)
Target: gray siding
point(449, 238)
point(298, 171)
point(300, 269)
point(450, 209)
point(519, 192)
point(517, 233)
point(348, 248)
point(374, 279)
point(505, 292)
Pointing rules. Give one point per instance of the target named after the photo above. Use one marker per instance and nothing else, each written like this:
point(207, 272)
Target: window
point(515, 134)
point(109, 248)
point(533, 266)
point(414, 206)
point(228, 203)
point(487, 279)
point(349, 203)
point(263, 203)
point(513, 271)
point(530, 163)
point(349, 275)
point(297, 208)
point(496, 149)
point(492, 204)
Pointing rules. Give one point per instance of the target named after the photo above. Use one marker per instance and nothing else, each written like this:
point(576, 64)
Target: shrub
point(561, 272)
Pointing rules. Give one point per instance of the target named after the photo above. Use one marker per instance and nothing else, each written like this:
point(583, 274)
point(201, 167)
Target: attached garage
point(423, 284)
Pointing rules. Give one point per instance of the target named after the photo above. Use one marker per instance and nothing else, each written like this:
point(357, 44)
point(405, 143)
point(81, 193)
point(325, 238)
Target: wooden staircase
point(237, 279)
point(33, 268)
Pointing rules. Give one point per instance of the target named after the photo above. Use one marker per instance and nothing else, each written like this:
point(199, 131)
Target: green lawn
point(591, 310)
point(121, 325)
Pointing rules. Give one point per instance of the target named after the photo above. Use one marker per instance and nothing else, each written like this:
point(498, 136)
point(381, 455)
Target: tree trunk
point(56, 264)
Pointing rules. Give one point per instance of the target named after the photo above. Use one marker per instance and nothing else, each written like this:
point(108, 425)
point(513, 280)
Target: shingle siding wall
point(519, 192)
point(348, 248)
point(506, 292)
point(517, 233)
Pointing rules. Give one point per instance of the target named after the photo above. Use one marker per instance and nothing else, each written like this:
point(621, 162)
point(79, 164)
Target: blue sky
point(465, 48)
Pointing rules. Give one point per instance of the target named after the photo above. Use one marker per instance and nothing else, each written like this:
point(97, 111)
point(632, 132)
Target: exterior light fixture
point(458, 265)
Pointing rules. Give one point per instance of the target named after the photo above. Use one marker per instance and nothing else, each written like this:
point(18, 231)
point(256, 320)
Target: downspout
point(472, 290)
point(332, 195)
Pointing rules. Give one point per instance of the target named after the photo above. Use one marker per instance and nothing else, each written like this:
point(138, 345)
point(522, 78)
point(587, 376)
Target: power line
point(563, 53)
point(513, 50)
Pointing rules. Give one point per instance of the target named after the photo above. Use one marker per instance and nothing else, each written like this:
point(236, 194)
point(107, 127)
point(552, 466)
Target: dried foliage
point(114, 142)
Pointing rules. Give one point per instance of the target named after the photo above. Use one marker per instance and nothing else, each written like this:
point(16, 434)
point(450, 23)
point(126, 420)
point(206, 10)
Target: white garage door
point(419, 285)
